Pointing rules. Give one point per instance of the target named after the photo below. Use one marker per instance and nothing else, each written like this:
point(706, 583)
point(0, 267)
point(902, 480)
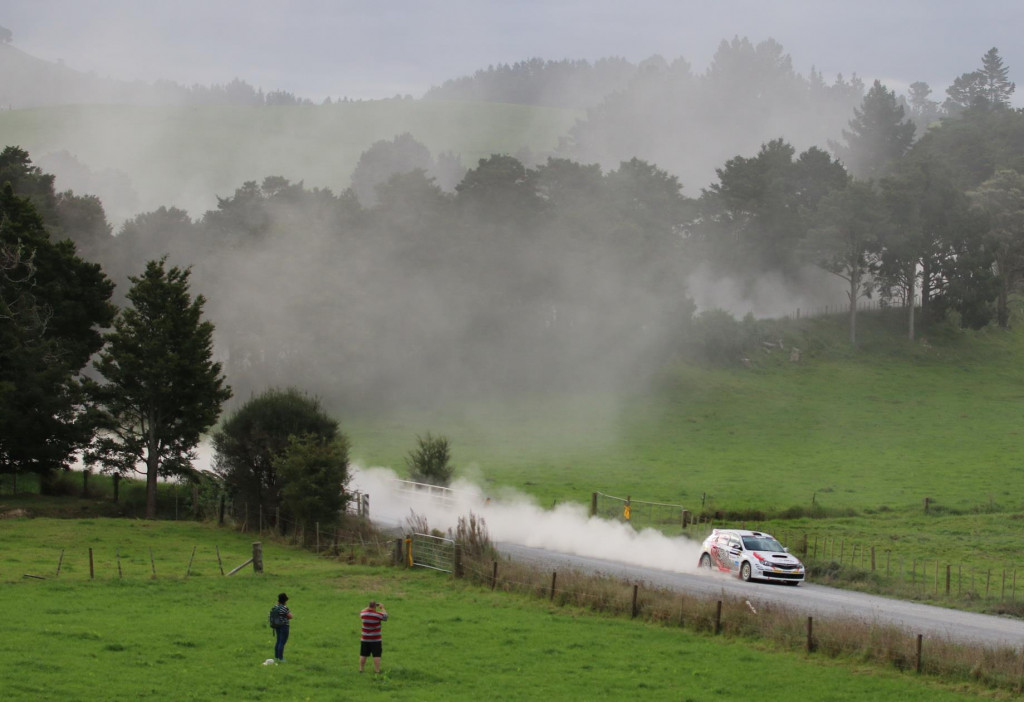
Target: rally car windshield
point(761, 543)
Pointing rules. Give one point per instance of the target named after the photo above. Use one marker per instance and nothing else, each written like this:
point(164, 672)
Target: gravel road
point(808, 598)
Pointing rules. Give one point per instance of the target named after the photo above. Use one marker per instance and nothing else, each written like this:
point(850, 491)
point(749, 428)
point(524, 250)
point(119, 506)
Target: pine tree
point(878, 134)
point(996, 85)
point(162, 388)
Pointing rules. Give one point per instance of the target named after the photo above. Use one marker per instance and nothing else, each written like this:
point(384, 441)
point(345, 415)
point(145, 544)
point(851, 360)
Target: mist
point(515, 518)
point(564, 269)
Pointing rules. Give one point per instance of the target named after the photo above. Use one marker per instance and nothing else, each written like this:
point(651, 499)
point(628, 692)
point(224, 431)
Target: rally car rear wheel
point(705, 561)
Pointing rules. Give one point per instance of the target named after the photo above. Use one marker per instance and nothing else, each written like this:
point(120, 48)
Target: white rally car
point(751, 555)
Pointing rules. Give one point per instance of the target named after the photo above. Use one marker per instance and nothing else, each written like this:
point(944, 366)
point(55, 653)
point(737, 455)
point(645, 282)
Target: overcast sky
point(380, 48)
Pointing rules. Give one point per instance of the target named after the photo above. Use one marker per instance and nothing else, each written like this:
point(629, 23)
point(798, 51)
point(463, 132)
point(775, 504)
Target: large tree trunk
point(911, 287)
point(853, 294)
point(1002, 311)
point(152, 470)
point(926, 293)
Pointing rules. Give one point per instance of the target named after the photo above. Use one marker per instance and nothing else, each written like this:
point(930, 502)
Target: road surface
point(808, 599)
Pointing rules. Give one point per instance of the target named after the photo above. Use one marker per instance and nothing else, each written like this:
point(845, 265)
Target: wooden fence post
point(458, 572)
point(593, 504)
point(220, 563)
point(91, 573)
point(220, 518)
point(119, 573)
point(152, 561)
point(60, 562)
point(918, 664)
point(635, 590)
point(810, 634)
point(554, 578)
point(494, 575)
point(398, 551)
point(188, 572)
point(257, 556)
point(718, 618)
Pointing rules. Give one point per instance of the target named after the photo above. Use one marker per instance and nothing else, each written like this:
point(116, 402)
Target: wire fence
point(830, 558)
point(872, 305)
point(932, 576)
point(639, 513)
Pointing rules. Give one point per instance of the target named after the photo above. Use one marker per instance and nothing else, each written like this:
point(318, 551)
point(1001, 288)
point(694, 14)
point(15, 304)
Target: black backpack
point(277, 617)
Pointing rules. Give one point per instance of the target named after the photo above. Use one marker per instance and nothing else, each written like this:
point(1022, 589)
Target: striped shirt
point(372, 620)
point(281, 613)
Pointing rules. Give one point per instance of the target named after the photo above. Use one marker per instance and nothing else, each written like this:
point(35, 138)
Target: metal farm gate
point(428, 551)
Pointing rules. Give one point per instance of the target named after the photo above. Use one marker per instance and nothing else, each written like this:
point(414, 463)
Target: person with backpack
point(280, 621)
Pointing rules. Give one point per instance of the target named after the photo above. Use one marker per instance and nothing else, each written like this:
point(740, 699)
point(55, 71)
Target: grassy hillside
point(881, 427)
point(846, 443)
point(186, 156)
point(204, 637)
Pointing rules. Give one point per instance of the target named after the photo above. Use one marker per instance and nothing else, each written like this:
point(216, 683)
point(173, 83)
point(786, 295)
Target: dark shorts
point(371, 648)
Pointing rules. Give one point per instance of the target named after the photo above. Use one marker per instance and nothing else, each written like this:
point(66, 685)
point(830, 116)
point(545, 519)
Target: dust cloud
point(512, 517)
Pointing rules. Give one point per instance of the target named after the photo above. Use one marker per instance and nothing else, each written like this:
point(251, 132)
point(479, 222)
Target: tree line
point(523, 278)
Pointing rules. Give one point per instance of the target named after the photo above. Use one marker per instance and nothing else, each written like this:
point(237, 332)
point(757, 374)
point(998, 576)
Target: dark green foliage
point(430, 461)
point(878, 135)
point(384, 159)
point(988, 88)
point(278, 426)
point(313, 471)
point(52, 306)
point(161, 388)
point(846, 240)
point(753, 219)
point(1001, 200)
point(29, 181)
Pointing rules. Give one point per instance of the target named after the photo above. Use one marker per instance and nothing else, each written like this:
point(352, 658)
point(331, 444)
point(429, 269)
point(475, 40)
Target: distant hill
point(575, 84)
point(136, 158)
point(26, 81)
point(185, 146)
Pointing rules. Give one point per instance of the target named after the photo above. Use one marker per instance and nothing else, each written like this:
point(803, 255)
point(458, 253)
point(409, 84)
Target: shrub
point(431, 461)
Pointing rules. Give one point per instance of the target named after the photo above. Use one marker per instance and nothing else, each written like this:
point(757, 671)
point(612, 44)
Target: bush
point(431, 461)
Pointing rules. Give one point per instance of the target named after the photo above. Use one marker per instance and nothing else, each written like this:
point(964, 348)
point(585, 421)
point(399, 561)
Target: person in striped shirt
point(370, 642)
point(283, 616)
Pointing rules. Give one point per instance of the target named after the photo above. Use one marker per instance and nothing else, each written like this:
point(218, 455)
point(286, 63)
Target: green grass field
point(857, 439)
point(204, 637)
